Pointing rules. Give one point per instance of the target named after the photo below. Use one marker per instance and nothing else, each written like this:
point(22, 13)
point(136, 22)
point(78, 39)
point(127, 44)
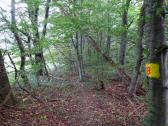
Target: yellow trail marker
point(153, 70)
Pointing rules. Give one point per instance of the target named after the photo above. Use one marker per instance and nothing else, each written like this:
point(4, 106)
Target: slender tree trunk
point(123, 43)
point(29, 47)
point(6, 95)
point(39, 57)
point(14, 30)
point(77, 47)
point(134, 82)
point(45, 30)
point(14, 66)
point(89, 50)
point(79, 57)
point(46, 17)
point(81, 54)
point(108, 43)
point(156, 37)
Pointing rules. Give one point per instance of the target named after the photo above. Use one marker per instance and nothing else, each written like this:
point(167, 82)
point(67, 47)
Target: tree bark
point(134, 82)
point(108, 44)
point(6, 95)
point(14, 66)
point(39, 57)
point(79, 57)
point(46, 17)
point(156, 37)
point(14, 30)
point(45, 31)
point(124, 34)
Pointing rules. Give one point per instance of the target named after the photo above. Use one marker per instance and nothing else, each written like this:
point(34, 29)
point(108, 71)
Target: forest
point(83, 63)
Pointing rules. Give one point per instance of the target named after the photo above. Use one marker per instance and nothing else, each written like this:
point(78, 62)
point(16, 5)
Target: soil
point(76, 105)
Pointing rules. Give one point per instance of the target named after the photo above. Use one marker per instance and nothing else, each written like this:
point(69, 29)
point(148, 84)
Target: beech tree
point(157, 71)
point(6, 95)
point(33, 12)
point(136, 75)
point(78, 48)
point(124, 34)
point(14, 30)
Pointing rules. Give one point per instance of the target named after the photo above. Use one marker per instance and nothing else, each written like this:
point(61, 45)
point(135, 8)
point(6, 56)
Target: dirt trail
point(77, 106)
point(86, 101)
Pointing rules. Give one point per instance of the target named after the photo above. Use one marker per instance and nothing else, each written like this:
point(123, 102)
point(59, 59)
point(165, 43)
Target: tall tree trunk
point(14, 66)
point(39, 54)
point(29, 47)
point(134, 82)
point(123, 42)
point(39, 57)
point(108, 43)
point(156, 37)
point(45, 30)
point(79, 57)
point(77, 47)
point(14, 30)
point(6, 96)
point(46, 17)
point(81, 53)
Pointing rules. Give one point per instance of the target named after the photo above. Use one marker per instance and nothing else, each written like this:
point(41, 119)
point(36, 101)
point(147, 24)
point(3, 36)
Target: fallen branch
point(98, 49)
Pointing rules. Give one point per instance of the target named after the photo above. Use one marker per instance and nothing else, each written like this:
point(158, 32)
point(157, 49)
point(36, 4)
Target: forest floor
point(75, 105)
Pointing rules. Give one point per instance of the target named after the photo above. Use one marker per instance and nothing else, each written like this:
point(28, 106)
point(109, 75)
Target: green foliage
point(33, 3)
point(99, 19)
point(86, 17)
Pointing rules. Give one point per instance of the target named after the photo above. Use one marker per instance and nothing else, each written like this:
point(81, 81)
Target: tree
point(123, 43)
point(134, 81)
point(14, 30)
point(77, 46)
point(6, 95)
point(155, 33)
point(33, 12)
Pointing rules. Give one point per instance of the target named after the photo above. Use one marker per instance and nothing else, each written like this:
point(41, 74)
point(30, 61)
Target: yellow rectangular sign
point(153, 70)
